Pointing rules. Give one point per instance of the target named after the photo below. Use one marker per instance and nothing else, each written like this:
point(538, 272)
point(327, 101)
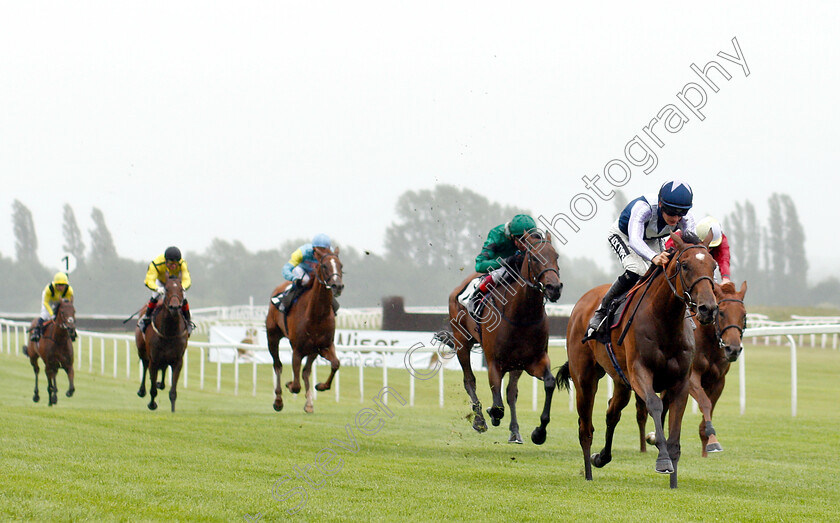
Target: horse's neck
point(664, 303)
point(524, 300)
point(320, 304)
point(170, 320)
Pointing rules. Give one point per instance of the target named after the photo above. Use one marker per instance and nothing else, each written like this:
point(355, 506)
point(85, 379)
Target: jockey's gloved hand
point(161, 289)
point(297, 273)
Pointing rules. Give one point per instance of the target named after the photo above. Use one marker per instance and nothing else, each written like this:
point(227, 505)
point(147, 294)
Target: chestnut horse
point(512, 330)
point(717, 346)
point(310, 327)
point(56, 349)
point(163, 343)
point(654, 357)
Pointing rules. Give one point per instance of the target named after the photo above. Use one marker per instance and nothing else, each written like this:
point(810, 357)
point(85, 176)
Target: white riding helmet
point(710, 224)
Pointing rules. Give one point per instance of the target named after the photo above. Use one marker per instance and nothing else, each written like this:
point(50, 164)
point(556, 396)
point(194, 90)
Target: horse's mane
point(691, 237)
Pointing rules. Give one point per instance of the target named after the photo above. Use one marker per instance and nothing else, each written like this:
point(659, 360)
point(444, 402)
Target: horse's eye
point(684, 265)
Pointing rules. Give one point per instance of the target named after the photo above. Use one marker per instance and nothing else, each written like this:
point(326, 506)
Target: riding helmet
point(710, 224)
point(520, 224)
point(321, 240)
point(172, 254)
point(60, 279)
point(676, 194)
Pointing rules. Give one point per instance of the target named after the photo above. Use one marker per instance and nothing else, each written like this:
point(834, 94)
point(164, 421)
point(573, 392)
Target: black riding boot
point(35, 335)
point(144, 321)
point(291, 295)
point(621, 285)
point(185, 310)
point(335, 305)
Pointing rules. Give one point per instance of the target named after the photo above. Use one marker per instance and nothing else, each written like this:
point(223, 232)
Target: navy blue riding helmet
point(676, 198)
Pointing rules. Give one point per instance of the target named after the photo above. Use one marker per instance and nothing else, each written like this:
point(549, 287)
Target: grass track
point(102, 455)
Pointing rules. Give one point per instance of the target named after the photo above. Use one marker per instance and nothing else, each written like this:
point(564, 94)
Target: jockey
point(299, 269)
point(161, 268)
point(502, 242)
point(55, 291)
point(719, 247)
point(638, 238)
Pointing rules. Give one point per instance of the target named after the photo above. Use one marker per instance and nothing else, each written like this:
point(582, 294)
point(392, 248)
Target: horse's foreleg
point(642, 382)
point(173, 389)
point(619, 400)
point(330, 355)
point(708, 439)
point(543, 372)
point(52, 385)
point(497, 411)
point(70, 375)
point(294, 386)
point(307, 369)
point(676, 406)
point(142, 390)
point(512, 394)
point(586, 386)
point(469, 384)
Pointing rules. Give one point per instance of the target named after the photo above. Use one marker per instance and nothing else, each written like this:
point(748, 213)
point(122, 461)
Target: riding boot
point(335, 305)
point(291, 295)
point(185, 310)
point(144, 321)
point(36, 332)
point(621, 285)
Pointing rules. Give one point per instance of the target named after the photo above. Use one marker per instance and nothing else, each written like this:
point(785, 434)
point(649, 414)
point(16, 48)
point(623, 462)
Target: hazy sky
point(264, 121)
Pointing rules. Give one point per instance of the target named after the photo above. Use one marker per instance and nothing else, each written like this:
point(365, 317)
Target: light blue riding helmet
point(321, 240)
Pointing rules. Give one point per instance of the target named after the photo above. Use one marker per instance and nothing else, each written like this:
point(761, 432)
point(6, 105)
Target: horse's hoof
point(538, 436)
point(308, 409)
point(664, 465)
point(598, 461)
point(141, 393)
point(152, 405)
point(173, 408)
point(650, 437)
point(320, 387)
point(515, 438)
point(36, 398)
point(69, 393)
point(714, 447)
point(161, 385)
point(277, 408)
point(496, 415)
point(479, 424)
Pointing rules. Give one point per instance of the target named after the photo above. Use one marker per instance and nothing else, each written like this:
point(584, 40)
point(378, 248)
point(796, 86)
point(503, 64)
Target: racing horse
point(512, 329)
point(309, 324)
point(163, 343)
point(650, 352)
point(717, 346)
point(55, 348)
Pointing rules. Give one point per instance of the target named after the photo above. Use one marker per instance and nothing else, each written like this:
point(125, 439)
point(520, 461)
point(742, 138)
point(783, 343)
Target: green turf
point(102, 455)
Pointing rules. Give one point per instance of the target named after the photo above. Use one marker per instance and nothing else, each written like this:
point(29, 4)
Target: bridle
point(686, 296)
point(719, 332)
point(178, 309)
point(534, 281)
point(322, 267)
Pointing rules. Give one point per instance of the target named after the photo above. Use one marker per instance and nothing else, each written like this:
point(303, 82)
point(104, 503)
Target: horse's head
point(731, 319)
point(173, 297)
point(329, 271)
point(65, 316)
point(693, 267)
point(540, 264)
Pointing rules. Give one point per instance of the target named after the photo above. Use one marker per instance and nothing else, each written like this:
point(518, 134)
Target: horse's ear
point(548, 236)
point(728, 287)
point(718, 291)
point(336, 250)
point(708, 239)
point(678, 242)
point(743, 289)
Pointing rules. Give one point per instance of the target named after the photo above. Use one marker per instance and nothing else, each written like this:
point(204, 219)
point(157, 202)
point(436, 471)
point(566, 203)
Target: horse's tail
point(563, 376)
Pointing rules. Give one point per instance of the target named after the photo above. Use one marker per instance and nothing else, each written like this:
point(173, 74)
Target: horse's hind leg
point(52, 386)
point(512, 393)
point(142, 390)
point(70, 374)
point(497, 411)
point(641, 421)
point(463, 352)
point(708, 438)
point(307, 369)
point(152, 386)
point(173, 390)
point(330, 355)
point(585, 376)
point(543, 371)
point(619, 400)
point(273, 336)
point(294, 386)
point(34, 361)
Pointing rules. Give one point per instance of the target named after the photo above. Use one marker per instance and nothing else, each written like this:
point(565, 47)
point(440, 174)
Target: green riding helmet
point(520, 224)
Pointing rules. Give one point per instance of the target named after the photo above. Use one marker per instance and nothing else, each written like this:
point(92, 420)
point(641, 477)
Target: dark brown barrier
point(395, 318)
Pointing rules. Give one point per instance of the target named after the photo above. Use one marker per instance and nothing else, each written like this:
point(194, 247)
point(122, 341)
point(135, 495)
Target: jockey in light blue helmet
point(321, 240)
point(300, 267)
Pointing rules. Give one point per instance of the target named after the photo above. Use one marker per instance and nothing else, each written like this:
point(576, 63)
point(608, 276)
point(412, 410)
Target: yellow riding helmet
point(60, 279)
point(710, 224)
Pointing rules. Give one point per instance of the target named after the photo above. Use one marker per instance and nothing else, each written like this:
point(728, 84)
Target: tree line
point(429, 248)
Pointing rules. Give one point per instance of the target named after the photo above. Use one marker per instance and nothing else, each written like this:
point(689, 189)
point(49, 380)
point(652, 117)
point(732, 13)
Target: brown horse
point(310, 327)
point(163, 343)
point(718, 345)
point(512, 330)
point(56, 349)
point(654, 356)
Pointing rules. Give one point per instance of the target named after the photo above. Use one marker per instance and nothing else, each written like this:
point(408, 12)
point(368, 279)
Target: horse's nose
point(732, 352)
point(706, 313)
point(337, 289)
point(553, 291)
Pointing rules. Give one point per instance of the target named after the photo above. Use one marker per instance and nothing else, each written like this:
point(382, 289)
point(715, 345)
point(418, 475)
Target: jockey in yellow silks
point(160, 269)
point(55, 291)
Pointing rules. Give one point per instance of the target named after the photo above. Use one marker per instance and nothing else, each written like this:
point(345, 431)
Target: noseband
point(535, 283)
point(719, 332)
point(321, 269)
point(686, 297)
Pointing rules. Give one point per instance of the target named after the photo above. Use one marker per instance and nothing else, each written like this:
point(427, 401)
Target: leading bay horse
point(512, 330)
point(55, 348)
point(163, 343)
point(310, 327)
point(654, 356)
point(718, 345)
